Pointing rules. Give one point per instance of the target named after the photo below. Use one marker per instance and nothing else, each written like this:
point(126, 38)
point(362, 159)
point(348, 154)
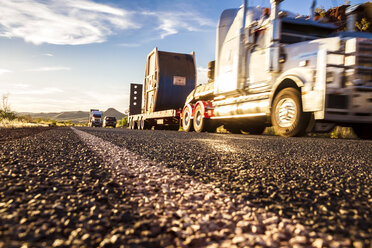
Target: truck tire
point(131, 126)
point(134, 124)
point(363, 131)
point(145, 125)
point(141, 124)
point(200, 123)
point(187, 123)
point(287, 116)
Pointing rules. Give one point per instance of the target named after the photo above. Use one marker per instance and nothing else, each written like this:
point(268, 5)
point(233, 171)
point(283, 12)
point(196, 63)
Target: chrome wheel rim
point(198, 118)
point(286, 112)
point(186, 118)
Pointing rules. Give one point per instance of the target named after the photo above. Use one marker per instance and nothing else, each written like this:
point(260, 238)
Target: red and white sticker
point(177, 80)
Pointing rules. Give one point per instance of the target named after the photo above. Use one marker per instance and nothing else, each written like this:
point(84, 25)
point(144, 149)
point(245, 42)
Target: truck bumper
point(353, 107)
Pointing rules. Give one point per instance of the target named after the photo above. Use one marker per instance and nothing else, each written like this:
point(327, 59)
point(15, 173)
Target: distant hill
point(74, 116)
point(114, 113)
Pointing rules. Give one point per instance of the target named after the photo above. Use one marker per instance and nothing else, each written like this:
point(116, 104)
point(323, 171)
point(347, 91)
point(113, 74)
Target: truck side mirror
point(248, 37)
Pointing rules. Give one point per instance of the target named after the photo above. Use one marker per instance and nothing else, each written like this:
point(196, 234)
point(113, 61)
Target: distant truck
point(95, 118)
point(109, 121)
point(271, 68)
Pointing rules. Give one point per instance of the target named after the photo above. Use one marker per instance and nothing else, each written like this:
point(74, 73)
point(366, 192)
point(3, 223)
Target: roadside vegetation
point(123, 123)
point(10, 119)
point(337, 133)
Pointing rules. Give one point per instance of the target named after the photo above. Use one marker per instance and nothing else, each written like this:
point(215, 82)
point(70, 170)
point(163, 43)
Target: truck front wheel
point(187, 124)
point(287, 116)
point(199, 121)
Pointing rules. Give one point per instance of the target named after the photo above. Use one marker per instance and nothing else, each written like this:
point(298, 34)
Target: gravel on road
point(55, 192)
point(324, 184)
point(176, 189)
point(194, 214)
point(7, 134)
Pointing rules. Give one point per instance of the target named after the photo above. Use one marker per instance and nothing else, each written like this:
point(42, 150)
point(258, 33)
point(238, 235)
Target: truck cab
point(95, 118)
point(290, 72)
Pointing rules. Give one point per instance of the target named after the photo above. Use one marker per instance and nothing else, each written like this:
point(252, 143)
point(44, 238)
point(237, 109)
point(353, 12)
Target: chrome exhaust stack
point(274, 49)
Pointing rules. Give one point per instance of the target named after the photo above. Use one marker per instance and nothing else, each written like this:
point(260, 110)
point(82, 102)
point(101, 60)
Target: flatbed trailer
point(160, 120)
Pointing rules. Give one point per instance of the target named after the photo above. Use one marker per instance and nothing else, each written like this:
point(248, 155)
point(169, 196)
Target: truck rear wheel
point(363, 131)
point(187, 123)
point(199, 121)
point(202, 124)
point(135, 126)
point(142, 124)
point(287, 116)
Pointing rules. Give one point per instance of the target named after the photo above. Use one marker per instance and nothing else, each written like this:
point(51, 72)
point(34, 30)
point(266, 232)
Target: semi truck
point(95, 118)
point(271, 68)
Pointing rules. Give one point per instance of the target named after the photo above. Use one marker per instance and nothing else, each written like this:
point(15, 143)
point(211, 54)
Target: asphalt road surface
point(116, 187)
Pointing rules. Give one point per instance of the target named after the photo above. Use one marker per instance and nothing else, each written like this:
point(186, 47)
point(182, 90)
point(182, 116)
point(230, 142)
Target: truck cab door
point(257, 78)
point(151, 77)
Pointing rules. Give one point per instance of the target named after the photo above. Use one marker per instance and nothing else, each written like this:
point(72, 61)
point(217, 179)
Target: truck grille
point(359, 73)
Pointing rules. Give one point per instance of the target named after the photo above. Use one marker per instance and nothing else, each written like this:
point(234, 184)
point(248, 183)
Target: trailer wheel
point(135, 126)
point(363, 131)
point(141, 124)
point(145, 125)
point(187, 123)
point(199, 121)
point(287, 116)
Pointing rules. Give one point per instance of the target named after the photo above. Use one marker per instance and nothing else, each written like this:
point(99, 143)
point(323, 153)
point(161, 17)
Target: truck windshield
point(298, 30)
point(97, 115)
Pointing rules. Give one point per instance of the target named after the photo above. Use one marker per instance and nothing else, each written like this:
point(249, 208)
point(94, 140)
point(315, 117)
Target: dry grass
point(5, 123)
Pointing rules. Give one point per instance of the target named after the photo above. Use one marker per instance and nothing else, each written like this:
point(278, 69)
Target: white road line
point(204, 211)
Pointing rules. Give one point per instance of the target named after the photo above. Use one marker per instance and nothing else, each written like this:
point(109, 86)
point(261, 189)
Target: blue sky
point(61, 55)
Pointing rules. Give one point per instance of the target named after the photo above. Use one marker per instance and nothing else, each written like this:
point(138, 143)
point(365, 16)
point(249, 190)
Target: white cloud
point(62, 22)
point(202, 74)
point(77, 22)
point(172, 22)
point(46, 69)
point(36, 91)
point(48, 54)
point(130, 44)
point(21, 85)
point(3, 71)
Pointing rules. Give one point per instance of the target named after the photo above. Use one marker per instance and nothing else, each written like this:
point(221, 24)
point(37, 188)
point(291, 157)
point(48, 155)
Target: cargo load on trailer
point(169, 78)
